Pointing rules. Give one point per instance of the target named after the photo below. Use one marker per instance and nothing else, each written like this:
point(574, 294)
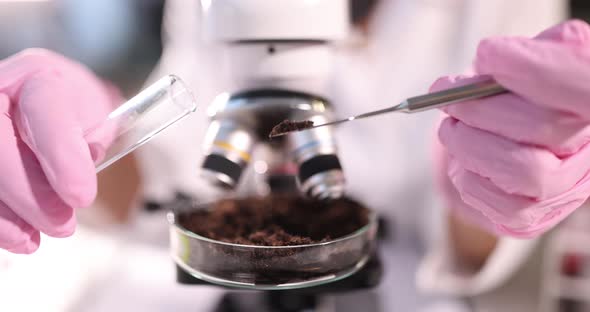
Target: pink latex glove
point(520, 162)
point(47, 102)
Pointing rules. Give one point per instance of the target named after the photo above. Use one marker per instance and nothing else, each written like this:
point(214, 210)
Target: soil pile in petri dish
point(278, 220)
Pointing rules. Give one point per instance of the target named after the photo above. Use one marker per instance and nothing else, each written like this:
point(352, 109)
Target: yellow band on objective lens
point(244, 155)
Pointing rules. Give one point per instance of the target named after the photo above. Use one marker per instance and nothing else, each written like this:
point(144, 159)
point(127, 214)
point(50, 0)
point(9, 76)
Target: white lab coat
point(387, 160)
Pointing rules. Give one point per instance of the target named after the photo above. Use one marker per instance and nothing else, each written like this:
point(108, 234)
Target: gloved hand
point(520, 162)
point(47, 102)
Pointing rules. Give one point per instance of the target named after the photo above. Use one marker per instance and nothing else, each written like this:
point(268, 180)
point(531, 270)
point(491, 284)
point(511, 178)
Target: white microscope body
point(280, 57)
point(284, 44)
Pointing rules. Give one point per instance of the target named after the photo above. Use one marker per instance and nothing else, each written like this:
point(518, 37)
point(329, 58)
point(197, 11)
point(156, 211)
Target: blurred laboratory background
point(119, 40)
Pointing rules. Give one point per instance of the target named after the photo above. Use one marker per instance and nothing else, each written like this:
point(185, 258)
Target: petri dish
point(269, 267)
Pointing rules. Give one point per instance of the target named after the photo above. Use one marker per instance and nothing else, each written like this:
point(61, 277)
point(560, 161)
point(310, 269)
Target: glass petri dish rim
point(297, 285)
point(171, 216)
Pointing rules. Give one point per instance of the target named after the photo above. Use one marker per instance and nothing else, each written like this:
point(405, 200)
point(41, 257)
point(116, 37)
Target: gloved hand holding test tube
point(58, 128)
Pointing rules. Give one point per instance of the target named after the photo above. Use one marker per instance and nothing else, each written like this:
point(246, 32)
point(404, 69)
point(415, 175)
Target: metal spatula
point(418, 103)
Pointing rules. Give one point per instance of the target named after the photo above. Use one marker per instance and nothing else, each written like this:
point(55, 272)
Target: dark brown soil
point(279, 220)
point(289, 126)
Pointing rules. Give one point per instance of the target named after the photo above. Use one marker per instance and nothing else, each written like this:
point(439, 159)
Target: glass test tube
point(141, 118)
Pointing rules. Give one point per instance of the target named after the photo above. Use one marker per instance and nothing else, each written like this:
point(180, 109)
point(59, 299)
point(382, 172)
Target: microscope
point(280, 55)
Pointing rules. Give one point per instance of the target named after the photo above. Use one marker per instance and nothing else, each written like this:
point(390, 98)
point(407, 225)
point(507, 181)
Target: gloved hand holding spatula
point(520, 161)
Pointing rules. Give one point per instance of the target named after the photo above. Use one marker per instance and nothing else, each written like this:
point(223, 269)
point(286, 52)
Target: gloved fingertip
point(485, 55)
point(501, 55)
point(572, 31)
point(58, 219)
point(60, 230)
point(32, 245)
point(577, 31)
point(63, 231)
point(447, 82)
point(441, 84)
point(78, 195)
point(29, 246)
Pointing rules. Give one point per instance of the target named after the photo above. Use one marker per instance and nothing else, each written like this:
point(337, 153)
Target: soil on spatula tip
point(287, 126)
